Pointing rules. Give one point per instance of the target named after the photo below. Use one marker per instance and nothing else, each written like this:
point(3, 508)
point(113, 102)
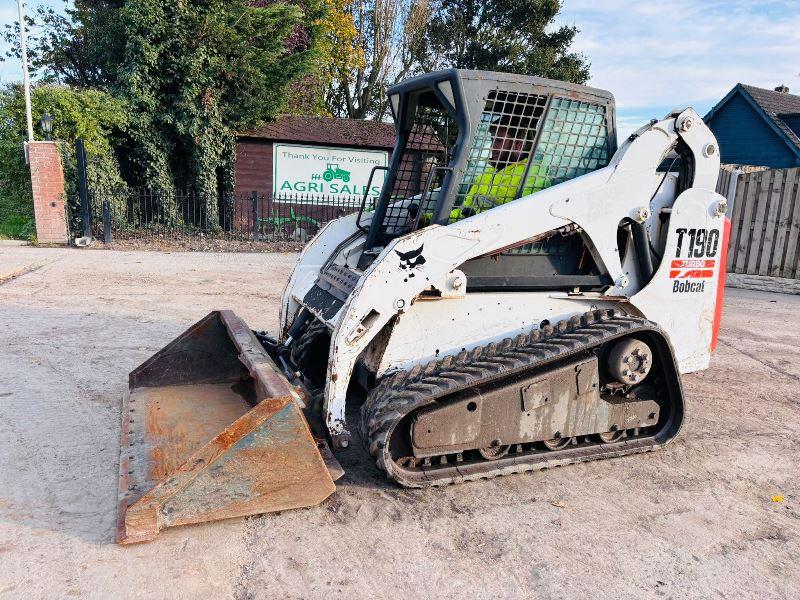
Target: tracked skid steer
point(522, 294)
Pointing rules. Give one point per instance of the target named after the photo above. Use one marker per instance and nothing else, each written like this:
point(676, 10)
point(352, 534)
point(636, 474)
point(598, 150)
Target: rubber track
point(404, 392)
point(301, 345)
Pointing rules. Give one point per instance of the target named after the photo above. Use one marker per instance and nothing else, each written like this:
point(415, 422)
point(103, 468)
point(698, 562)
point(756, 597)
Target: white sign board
point(328, 175)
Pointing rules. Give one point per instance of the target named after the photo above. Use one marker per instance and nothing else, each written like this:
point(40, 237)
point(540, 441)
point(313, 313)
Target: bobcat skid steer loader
point(522, 294)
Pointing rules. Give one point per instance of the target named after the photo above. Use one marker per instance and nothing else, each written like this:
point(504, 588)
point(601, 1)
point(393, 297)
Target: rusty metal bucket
point(211, 430)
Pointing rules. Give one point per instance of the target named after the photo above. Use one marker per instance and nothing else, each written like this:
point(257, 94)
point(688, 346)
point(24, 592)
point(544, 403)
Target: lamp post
point(47, 125)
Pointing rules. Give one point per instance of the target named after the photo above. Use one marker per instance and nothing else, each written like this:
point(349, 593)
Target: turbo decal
point(692, 269)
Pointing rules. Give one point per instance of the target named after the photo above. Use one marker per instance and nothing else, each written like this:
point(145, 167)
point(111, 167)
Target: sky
point(657, 56)
point(653, 56)
point(11, 69)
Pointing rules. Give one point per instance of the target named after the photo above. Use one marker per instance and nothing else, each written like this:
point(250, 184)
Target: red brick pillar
point(47, 181)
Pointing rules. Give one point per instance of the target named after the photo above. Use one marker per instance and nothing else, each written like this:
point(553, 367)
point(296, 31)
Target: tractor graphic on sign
point(334, 171)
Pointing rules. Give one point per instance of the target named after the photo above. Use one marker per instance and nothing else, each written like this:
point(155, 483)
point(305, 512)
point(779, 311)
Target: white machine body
point(402, 313)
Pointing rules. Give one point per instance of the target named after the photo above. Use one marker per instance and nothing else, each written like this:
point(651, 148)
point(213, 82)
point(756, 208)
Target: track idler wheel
point(629, 361)
point(495, 451)
point(610, 437)
point(557, 443)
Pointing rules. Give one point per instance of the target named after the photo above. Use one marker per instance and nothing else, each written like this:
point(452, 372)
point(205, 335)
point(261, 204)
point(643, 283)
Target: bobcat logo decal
point(411, 260)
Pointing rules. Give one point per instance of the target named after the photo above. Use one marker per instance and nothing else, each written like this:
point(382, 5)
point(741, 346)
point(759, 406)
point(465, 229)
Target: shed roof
point(774, 106)
point(328, 131)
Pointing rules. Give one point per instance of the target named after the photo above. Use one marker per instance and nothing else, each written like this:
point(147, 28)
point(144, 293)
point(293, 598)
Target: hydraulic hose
point(641, 241)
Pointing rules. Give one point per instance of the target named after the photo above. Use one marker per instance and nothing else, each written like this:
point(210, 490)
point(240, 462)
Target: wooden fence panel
point(771, 218)
point(782, 226)
point(791, 262)
point(751, 185)
point(736, 223)
point(765, 224)
point(757, 234)
point(724, 181)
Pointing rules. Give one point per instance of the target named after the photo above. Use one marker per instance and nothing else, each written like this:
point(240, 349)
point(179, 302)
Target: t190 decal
point(701, 242)
point(698, 246)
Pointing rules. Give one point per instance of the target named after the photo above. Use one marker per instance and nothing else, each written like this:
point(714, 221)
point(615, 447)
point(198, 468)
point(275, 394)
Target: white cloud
point(654, 56)
point(681, 53)
point(627, 124)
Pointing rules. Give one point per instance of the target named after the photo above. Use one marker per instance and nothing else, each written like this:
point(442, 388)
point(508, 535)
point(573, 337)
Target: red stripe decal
point(692, 273)
point(723, 268)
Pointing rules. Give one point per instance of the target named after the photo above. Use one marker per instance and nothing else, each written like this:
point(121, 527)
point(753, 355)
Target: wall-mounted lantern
point(47, 125)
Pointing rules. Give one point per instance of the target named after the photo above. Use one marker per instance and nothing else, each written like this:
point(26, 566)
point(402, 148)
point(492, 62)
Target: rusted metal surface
point(334, 468)
point(194, 452)
point(201, 354)
point(269, 381)
point(557, 405)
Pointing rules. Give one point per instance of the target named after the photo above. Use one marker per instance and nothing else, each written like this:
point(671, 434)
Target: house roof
point(328, 131)
point(772, 105)
point(776, 105)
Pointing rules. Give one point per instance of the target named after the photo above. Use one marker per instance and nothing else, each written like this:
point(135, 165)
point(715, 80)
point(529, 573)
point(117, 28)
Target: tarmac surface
point(702, 518)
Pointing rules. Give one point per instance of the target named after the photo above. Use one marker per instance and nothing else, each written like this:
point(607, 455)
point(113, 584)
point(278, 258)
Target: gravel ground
point(696, 520)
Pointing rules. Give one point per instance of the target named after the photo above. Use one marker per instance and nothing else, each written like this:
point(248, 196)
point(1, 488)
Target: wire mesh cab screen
point(430, 146)
point(522, 146)
point(499, 155)
point(492, 139)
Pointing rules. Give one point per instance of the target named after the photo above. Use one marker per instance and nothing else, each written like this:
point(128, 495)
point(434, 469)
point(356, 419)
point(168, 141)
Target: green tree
point(79, 46)
point(192, 74)
point(189, 72)
point(373, 51)
point(394, 39)
point(89, 114)
point(515, 36)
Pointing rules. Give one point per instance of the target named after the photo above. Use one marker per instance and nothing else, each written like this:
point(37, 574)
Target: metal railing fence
point(143, 214)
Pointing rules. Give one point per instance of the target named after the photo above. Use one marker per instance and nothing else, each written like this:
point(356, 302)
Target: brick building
point(257, 163)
